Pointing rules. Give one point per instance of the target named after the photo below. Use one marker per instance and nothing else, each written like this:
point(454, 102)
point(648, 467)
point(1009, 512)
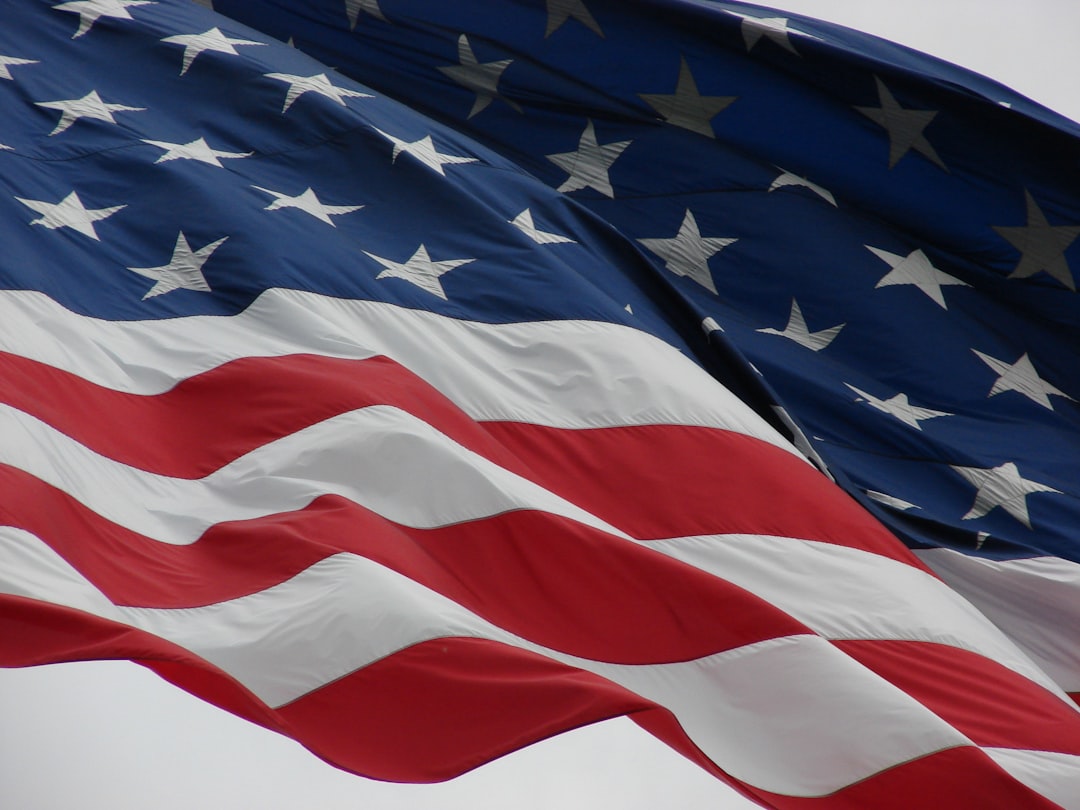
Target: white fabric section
point(30, 567)
point(1049, 773)
point(844, 593)
point(381, 457)
point(557, 373)
point(738, 706)
point(1035, 601)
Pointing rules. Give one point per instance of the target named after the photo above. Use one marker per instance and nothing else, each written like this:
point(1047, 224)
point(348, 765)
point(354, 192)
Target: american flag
point(426, 405)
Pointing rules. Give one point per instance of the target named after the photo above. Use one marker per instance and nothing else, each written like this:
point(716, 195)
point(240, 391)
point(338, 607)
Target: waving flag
point(887, 240)
point(404, 438)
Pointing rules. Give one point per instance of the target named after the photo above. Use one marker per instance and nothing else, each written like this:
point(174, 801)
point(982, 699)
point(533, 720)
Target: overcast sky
point(110, 736)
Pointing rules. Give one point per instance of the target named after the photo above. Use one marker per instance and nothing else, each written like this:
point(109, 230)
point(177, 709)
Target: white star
point(890, 501)
point(184, 270)
point(424, 151)
point(89, 106)
point(899, 407)
point(915, 269)
point(686, 107)
point(789, 179)
point(773, 28)
point(524, 223)
point(354, 7)
point(298, 85)
point(588, 165)
point(7, 61)
point(419, 270)
point(905, 127)
point(480, 77)
point(1001, 486)
point(797, 331)
point(1042, 245)
point(309, 204)
point(212, 40)
point(559, 11)
point(90, 11)
point(69, 213)
point(197, 149)
point(688, 252)
point(1021, 377)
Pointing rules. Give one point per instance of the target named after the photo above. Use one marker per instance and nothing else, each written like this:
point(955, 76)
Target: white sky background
point(111, 736)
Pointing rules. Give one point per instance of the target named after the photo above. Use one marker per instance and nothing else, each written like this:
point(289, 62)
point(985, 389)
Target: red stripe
point(658, 481)
point(443, 707)
point(652, 481)
point(34, 633)
point(962, 777)
point(989, 703)
point(548, 579)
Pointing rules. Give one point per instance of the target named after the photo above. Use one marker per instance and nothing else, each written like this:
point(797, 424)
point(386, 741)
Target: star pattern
point(905, 127)
point(1042, 246)
point(898, 406)
point(318, 84)
point(197, 149)
point(1001, 486)
point(309, 203)
point(424, 151)
point(1021, 377)
point(917, 270)
point(354, 7)
point(212, 40)
point(798, 331)
point(688, 252)
point(419, 270)
point(184, 270)
point(787, 179)
point(775, 29)
point(686, 107)
point(89, 106)
point(559, 11)
point(524, 223)
point(90, 11)
point(7, 62)
point(69, 213)
point(588, 165)
point(480, 77)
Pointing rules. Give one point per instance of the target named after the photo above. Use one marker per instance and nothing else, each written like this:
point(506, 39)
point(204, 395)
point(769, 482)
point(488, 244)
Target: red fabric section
point(443, 707)
point(652, 481)
point(962, 777)
point(34, 632)
point(992, 705)
point(551, 580)
point(657, 481)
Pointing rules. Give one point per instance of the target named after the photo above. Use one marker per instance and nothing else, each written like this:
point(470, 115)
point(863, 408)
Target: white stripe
point(380, 457)
point(1035, 601)
point(1048, 773)
point(845, 593)
point(737, 706)
point(558, 373)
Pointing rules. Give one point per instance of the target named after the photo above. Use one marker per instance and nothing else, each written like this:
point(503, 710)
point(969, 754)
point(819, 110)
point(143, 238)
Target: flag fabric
point(404, 438)
point(889, 241)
